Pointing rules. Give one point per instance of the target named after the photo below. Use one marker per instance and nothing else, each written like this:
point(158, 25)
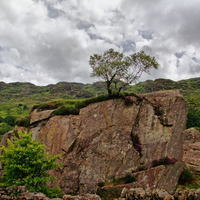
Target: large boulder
point(110, 139)
point(191, 148)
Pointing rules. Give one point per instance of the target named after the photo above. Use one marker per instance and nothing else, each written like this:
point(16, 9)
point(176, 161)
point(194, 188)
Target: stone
point(159, 194)
point(21, 189)
point(191, 149)
point(101, 142)
point(168, 197)
point(5, 197)
point(40, 196)
point(91, 197)
point(124, 192)
point(40, 115)
point(28, 195)
point(136, 193)
point(197, 194)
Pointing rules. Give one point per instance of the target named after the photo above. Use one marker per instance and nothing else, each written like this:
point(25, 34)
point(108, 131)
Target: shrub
point(163, 161)
point(124, 180)
point(109, 193)
point(4, 128)
point(10, 120)
point(26, 163)
point(128, 100)
point(186, 177)
point(47, 106)
point(25, 121)
point(67, 110)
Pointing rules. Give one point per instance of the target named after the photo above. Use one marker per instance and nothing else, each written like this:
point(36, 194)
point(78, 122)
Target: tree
point(26, 163)
point(118, 70)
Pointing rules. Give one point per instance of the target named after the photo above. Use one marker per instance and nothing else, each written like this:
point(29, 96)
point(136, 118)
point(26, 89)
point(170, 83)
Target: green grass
point(16, 99)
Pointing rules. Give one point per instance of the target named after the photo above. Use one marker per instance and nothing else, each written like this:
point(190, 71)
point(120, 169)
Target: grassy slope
point(16, 99)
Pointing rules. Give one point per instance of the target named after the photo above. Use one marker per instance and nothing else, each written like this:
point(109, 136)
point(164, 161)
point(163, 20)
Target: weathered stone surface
point(40, 115)
point(99, 143)
point(84, 197)
point(191, 149)
point(160, 194)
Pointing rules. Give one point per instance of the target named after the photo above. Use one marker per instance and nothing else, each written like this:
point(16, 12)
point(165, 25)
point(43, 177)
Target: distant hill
point(16, 99)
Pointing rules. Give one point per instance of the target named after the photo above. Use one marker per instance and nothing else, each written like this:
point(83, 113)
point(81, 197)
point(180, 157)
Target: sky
point(48, 41)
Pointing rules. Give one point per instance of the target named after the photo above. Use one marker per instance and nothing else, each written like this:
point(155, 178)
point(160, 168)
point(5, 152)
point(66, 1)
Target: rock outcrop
point(159, 194)
point(111, 139)
point(191, 149)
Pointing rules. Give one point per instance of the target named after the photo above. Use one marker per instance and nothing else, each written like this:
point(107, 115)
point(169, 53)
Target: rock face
point(111, 139)
point(191, 148)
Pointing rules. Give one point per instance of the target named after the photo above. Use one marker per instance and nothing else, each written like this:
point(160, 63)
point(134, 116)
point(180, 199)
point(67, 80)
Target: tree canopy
point(26, 163)
point(119, 70)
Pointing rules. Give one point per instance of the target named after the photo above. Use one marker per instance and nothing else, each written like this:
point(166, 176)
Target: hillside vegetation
point(17, 99)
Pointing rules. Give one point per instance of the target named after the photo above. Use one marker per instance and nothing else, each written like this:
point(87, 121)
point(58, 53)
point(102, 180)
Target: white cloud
point(46, 41)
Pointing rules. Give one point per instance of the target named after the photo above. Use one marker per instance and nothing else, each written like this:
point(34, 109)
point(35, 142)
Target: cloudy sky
point(47, 41)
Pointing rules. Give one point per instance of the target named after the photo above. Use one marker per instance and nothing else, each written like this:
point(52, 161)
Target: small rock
point(5, 197)
point(124, 192)
point(21, 189)
point(40, 196)
point(92, 197)
point(159, 193)
point(168, 197)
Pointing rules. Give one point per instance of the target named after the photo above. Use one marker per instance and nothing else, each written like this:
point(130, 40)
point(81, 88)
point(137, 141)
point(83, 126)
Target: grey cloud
point(20, 67)
point(128, 45)
point(180, 54)
point(146, 34)
point(53, 12)
point(51, 40)
point(94, 36)
point(197, 60)
point(84, 25)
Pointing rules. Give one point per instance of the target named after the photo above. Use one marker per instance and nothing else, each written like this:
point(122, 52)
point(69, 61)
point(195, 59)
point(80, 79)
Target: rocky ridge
point(191, 149)
point(110, 139)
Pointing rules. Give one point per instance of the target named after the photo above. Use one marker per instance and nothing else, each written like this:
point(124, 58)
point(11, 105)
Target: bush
point(186, 177)
point(25, 121)
point(128, 100)
point(67, 110)
point(163, 161)
point(117, 181)
point(124, 180)
point(193, 118)
point(10, 120)
point(47, 106)
point(26, 163)
point(4, 128)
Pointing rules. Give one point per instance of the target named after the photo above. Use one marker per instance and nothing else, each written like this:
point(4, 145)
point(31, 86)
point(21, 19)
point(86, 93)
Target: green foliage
point(26, 163)
point(118, 70)
point(25, 121)
point(187, 177)
point(10, 120)
point(193, 118)
point(124, 180)
point(4, 128)
point(53, 192)
point(109, 193)
point(67, 110)
point(129, 178)
point(47, 106)
point(112, 192)
point(72, 107)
